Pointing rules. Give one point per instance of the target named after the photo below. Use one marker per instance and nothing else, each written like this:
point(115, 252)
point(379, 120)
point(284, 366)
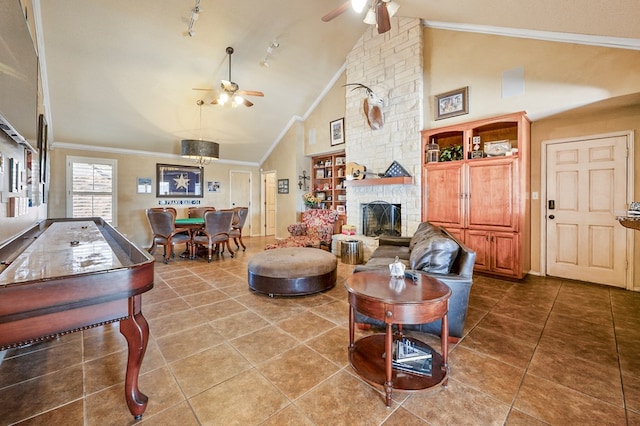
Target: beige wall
point(558, 78)
point(131, 219)
point(293, 153)
point(576, 124)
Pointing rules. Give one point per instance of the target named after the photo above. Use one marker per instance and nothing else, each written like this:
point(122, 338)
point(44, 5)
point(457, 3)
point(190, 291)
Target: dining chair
point(215, 232)
point(198, 211)
point(239, 218)
point(165, 233)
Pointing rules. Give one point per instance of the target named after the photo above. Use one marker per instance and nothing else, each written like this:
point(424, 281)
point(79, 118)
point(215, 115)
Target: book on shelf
point(421, 367)
point(406, 350)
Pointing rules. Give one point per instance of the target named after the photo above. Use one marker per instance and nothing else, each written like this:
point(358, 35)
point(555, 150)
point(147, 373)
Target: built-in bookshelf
point(328, 180)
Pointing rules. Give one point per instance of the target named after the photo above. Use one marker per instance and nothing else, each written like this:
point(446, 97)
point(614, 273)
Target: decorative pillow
point(434, 254)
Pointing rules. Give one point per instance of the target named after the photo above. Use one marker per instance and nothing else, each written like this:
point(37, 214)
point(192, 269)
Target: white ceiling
point(120, 73)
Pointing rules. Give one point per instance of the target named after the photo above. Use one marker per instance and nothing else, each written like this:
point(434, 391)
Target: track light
point(195, 14)
point(370, 17)
point(392, 8)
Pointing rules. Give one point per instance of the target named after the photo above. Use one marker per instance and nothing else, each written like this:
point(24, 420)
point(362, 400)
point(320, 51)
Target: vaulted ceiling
point(120, 74)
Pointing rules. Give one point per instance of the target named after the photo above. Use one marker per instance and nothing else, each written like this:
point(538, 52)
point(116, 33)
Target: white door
point(586, 186)
point(240, 194)
point(269, 191)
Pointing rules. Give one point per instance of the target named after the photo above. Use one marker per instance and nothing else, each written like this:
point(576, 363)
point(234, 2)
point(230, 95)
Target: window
point(91, 184)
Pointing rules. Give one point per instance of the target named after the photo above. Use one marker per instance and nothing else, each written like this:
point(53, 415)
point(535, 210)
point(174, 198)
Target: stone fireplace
point(391, 64)
point(381, 218)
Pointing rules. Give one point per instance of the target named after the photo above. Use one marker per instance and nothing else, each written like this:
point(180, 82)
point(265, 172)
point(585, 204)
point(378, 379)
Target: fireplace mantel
point(399, 180)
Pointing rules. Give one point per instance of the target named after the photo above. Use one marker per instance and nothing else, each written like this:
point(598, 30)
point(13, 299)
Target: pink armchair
point(315, 230)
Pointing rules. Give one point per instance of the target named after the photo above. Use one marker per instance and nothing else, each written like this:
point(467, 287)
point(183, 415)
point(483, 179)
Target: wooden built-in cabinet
point(482, 197)
point(328, 179)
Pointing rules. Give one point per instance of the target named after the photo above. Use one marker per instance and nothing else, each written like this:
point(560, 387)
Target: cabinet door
point(442, 198)
point(505, 253)
point(479, 241)
point(491, 194)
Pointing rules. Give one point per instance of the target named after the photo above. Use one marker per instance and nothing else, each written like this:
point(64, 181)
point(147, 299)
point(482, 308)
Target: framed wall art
point(144, 185)
point(283, 186)
point(179, 181)
point(213, 186)
point(336, 130)
point(453, 103)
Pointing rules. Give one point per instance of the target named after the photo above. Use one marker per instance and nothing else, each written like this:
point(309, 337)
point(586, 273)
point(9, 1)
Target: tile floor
point(544, 351)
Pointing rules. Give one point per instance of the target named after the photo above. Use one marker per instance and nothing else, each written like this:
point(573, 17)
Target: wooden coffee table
point(396, 301)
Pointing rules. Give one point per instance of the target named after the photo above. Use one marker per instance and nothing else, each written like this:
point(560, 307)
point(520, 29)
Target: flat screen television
point(18, 72)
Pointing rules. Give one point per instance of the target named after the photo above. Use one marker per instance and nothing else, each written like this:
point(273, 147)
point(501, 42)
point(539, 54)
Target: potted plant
point(451, 153)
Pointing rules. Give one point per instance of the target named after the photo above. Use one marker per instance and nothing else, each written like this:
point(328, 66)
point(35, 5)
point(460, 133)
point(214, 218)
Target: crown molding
point(591, 40)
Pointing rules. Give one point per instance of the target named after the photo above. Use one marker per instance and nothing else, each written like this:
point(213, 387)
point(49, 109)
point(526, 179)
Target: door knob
point(551, 216)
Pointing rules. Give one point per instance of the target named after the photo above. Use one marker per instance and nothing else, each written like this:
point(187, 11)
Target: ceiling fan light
point(370, 17)
point(392, 8)
point(358, 5)
point(223, 98)
point(238, 100)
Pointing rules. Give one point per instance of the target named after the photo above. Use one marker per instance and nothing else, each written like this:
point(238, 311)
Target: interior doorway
point(269, 202)
point(240, 194)
point(587, 182)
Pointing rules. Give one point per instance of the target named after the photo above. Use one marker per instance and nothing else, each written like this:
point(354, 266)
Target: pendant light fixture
point(201, 151)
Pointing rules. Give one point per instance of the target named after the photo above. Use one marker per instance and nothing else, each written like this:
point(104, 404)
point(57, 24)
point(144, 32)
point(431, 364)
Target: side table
point(396, 301)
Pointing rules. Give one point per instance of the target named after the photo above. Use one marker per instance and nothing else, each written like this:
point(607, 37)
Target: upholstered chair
point(315, 230)
point(215, 232)
point(165, 233)
point(239, 219)
point(198, 211)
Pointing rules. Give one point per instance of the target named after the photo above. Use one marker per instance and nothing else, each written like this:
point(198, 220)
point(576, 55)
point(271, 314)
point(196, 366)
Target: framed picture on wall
point(213, 186)
point(453, 103)
point(283, 186)
point(336, 130)
point(144, 185)
point(179, 181)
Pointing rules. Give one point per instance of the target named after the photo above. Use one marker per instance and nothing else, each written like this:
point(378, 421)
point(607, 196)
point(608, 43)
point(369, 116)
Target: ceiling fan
point(230, 90)
point(378, 13)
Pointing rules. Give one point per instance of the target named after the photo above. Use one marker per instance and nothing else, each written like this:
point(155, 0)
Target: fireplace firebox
point(381, 218)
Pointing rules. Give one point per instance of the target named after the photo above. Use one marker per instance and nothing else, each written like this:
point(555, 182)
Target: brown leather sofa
point(435, 252)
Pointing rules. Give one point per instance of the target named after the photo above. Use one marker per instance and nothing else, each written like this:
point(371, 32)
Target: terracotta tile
point(263, 344)
point(485, 374)
point(245, 399)
point(557, 404)
point(633, 418)
point(166, 307)
point(240, 324)
point(223, 309)
point(305, 326)
point(297, 370)
point(601, 381)
point(71, 414)
point(524, 312)
point(208, 368)
point(333, 345)
point(518, 418)
point(631, 386)
point(289, 416)
point(188, 342)
point(38, 363)
point(580, 329)
point(175, 322)
point(324, 404)
point(402, 417)
point(52, 390)
point(600, 352)
point(457, 404)
point(513, 328)
point(178, 415)
point(336, 312)
point(511, 351)
point(271, 308)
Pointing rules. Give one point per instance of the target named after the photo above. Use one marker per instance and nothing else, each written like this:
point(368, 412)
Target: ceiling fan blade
point(382, 17)
point(201, 88)
point(246, 102)
point(337, 11)
point(250, 93)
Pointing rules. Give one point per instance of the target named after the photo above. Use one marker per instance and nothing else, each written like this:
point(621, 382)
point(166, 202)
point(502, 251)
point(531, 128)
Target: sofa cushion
point(434, 254)
point(391, 251)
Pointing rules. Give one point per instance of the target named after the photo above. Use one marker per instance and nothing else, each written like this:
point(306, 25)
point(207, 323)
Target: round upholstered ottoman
point(292, 271)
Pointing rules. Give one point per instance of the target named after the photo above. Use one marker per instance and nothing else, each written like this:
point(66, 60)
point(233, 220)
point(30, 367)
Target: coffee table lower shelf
point(366, 359)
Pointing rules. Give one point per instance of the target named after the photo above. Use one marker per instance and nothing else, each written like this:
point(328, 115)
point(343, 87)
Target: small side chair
point(165, 233)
